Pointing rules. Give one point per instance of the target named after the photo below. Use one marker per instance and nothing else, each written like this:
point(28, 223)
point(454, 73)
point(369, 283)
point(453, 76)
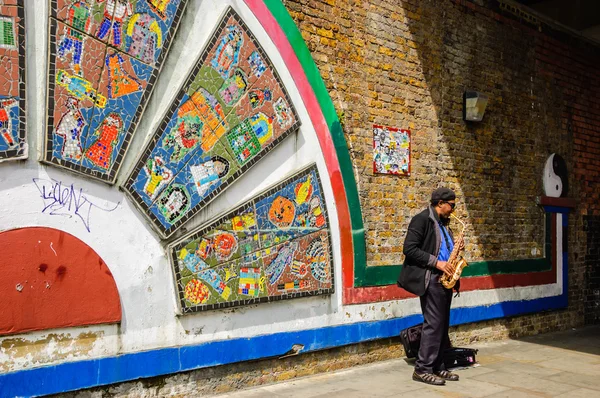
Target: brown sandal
point(428, 378)
point(446, 375)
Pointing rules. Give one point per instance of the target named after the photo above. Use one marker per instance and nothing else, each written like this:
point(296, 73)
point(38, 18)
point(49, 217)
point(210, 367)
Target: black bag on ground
point(411, 340)
point(453, 357)
point(456, 357)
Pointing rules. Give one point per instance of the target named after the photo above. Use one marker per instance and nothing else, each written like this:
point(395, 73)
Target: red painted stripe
point(268, 22)
point(385, 293)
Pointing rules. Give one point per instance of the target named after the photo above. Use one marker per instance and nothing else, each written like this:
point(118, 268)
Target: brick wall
point(407, 63)
point(591, 287)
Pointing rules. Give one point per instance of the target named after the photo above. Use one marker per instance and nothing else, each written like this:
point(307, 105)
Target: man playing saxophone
point(428, 246)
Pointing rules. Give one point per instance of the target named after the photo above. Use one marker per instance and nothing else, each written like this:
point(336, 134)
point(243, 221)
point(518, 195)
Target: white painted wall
point(133, 252)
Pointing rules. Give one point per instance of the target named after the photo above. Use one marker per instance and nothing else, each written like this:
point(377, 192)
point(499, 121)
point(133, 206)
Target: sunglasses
point(452, 205)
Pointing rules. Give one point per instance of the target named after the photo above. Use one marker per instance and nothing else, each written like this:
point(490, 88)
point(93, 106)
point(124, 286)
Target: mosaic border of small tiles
point(154, 144)
point(176, 249)
point(16, 136)
point(153, 70)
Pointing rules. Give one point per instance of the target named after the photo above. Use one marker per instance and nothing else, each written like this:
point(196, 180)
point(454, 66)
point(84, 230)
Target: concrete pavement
point(561, 364)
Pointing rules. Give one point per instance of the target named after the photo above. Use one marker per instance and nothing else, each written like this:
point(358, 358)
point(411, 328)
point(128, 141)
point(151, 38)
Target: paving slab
point(527, 383)
point(577, 364)
point(512, 393)
point(579, 380)
point(580, 393)
point(469, 388)
point(523, 368)
point(537, 354)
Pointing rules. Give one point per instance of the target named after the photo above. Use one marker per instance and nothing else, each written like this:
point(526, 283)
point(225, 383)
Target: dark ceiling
point(582, 16)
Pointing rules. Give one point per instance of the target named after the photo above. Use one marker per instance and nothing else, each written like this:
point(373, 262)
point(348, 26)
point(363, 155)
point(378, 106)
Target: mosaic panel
point(232, 110)
point(391, 150)
point(275, 246)
point(105, 56)
point(12, 80)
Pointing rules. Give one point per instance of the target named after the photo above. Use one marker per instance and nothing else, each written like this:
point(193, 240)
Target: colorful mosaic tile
point(230, 112)
point(105, 56)
point(391, 150)
point(12, 80)
point(275, 246)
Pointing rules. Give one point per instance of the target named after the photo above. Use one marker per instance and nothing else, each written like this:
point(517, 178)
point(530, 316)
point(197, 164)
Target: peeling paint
point(54, 347)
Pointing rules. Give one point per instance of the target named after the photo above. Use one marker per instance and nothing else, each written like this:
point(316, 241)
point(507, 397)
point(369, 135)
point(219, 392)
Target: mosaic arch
point(12, 80)
point(230, 112)
point(105, 56)
point(275, 246)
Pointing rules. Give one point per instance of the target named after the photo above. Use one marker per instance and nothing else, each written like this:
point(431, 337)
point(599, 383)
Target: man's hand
point(443, 266)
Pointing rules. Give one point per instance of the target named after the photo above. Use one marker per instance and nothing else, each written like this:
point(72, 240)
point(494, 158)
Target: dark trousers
point(435, 304)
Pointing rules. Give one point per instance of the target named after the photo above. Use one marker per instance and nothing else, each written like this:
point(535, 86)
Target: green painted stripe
point(313, 76)
point(387, 275)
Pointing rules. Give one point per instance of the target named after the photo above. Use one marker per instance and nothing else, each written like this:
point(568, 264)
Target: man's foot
point(446, 375)
point(428, 378)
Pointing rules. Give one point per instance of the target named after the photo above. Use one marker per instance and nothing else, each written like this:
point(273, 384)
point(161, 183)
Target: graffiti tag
point(67, 201)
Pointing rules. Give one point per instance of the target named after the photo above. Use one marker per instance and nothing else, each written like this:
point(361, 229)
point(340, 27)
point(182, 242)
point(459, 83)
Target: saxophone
point(456, 263)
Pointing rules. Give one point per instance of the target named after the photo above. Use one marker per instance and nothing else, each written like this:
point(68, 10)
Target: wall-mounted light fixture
point(474, 104)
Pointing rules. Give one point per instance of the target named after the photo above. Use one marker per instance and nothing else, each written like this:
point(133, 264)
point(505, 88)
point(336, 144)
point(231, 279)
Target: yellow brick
point(325, 33)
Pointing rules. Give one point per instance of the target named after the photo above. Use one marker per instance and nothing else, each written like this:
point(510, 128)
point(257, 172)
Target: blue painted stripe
point(557, 209)
point(97, 372)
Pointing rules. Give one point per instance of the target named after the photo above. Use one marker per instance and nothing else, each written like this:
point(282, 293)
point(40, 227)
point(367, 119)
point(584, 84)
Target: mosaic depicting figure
point(72, 40)
point(207, 174)
point(199, 120)
point(120, 82)
point(6, 125)
point(284, 115)
point(115, 13)
point(184, 136)
point(174, 202)
point(100, 152)
point(228, 52)
point(158, 176)
point(258, 97)
point(70, 127)
point(234, 87)
point(257, 65)
point(80, 88)
point(146, 37)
